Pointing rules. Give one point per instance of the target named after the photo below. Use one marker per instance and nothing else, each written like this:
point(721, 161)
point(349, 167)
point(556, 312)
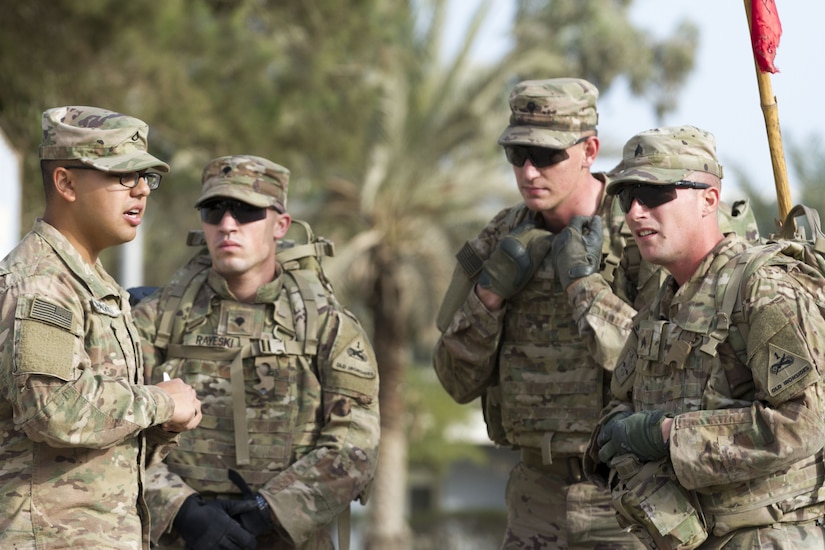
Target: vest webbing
point(728, 299)
point(171, 325)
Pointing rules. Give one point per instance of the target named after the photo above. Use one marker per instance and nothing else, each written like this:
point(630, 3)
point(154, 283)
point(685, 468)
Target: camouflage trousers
point(544, 511)
point(780, 536)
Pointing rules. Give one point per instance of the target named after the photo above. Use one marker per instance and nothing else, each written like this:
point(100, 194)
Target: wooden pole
point(771, 113)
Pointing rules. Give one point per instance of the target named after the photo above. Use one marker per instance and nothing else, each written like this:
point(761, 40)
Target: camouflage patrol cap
point(105, 140)
point(551, 113)
point(253, 180)
point(665, 155)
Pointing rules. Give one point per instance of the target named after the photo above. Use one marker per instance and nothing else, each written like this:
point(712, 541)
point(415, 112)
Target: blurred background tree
point(807, 158)
point(391, 143)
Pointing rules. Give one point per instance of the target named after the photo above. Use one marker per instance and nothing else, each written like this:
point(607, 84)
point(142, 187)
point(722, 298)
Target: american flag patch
point(51, 313)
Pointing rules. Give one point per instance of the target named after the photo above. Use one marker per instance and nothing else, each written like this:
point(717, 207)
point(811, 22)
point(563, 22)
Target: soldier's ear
point(281, 225)
point(63, 182)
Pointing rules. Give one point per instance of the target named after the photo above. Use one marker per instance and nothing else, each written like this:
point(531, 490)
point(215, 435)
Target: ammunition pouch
point(651, 504)
point(491, 407)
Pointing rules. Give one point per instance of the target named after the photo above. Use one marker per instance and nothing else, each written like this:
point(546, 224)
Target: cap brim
point(238, 192)
point(650, 175)
point(123, 164)
point(538, 136)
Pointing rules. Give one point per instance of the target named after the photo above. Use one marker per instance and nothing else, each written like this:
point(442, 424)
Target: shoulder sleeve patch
point(352, 365)
point(787, 370)
point(50, 313)
point(44, 349)
point(355, 359)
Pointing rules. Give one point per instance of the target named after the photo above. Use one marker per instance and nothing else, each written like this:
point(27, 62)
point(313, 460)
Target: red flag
point(765, 32)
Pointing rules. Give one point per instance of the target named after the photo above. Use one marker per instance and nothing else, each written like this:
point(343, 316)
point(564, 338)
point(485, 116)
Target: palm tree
point(432, 172)
point(433, 175)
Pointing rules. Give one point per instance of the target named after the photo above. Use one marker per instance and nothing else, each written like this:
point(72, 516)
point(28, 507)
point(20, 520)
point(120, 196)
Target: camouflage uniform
point(749, 419)
point(311, 414)
point(72, 404)
point(542, 364)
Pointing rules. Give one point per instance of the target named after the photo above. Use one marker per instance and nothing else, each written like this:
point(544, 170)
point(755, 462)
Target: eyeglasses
point(212, 212)
point(129, 179)
point(540, 157)
point(651, 195)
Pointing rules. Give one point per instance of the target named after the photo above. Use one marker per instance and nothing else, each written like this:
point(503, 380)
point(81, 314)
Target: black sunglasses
point(651, 195)
point(540, 157)
point(212, 212)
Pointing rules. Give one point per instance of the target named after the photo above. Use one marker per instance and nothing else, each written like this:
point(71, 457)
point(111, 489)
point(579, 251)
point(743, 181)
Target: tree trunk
point(388, 528)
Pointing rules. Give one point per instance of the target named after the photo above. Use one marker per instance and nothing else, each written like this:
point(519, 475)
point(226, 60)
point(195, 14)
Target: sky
point(721, 95)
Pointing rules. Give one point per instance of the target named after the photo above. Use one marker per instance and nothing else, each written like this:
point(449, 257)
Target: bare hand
point(187, 413)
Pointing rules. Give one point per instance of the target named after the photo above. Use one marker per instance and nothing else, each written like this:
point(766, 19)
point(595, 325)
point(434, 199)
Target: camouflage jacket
point(72, 403)
point(749, 425)
point(545, 358)
point(312, 418)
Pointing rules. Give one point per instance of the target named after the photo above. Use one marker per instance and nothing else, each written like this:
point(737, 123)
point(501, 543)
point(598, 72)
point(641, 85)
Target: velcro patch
point(355, 360)
point(45, 349)
point(50, 313)
point(786, 370)
point(105, 309)
point(212, 341)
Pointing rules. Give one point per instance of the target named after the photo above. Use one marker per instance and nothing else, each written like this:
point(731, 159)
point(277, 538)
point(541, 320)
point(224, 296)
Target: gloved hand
point(257, 520)
point(515, 260)
point(639, 433)
point(577, 249)
point(208, 525)
point(604, 433)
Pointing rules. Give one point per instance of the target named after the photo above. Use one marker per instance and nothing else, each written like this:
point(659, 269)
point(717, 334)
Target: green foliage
point(284, 80)
point(595, 39)
point(433, 414)
point(806, 160)
point(392, 148)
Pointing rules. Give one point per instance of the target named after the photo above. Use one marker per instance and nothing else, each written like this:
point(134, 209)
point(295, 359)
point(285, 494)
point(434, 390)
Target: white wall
point(10, 195)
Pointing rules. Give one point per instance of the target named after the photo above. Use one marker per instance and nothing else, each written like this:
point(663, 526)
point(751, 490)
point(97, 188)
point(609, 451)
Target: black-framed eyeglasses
point(129, 179)
point(212, 212)
point(652, 195)
point(540, 157)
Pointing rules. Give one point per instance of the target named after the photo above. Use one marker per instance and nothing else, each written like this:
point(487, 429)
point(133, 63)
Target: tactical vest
point(255, 363)
point(550, 390)
point(696, 362)
point(551, 395)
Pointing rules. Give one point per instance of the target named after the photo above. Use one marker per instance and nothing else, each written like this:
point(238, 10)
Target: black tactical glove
point(515, 260)
point(639, 434)
point(577, 249)
point(208, 525)
point(258, 519)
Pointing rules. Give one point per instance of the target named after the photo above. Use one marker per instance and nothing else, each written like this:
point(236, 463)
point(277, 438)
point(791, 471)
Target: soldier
point(73, 407)
point(287, 376)
point(724, 412)
point(536, 315)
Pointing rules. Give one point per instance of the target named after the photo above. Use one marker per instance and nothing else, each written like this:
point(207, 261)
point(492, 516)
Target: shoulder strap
point(173, 294)
point(729, 294)
point(306, 280)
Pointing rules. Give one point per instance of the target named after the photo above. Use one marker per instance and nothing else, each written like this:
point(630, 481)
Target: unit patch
point(786, 370)
point(354, 360)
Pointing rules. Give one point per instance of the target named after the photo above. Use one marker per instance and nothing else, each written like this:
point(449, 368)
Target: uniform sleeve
point(466, 354)
point(603, 319)
point(70, 375)
point(165, 491)
point(146, 315)
point(786, 421)
point(604, 311)
point(312, 491)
